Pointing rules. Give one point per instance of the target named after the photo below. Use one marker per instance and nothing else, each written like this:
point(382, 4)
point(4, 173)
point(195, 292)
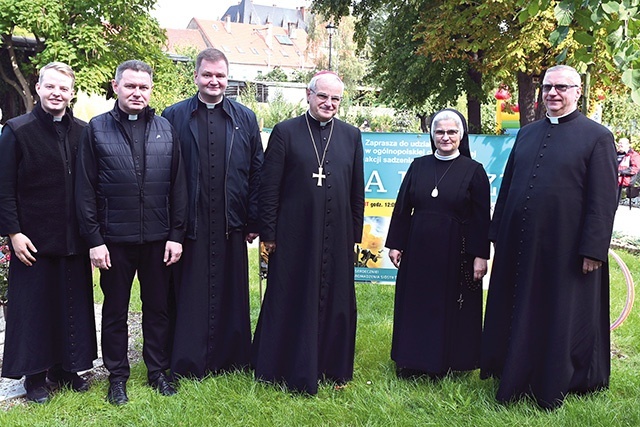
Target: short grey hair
point(60, 67)
point(573, 73)
point(135, 65)
point(447, 115)
point(313, 84)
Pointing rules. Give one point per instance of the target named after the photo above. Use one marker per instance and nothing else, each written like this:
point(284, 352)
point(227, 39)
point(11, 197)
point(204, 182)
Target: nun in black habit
point(438, 239)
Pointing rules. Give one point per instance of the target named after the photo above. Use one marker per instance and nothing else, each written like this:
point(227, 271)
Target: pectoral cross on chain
point(320, 176)
point(460, 301)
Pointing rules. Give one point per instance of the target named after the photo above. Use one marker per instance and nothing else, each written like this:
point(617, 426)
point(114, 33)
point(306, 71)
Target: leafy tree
point(345, 59)
point(174, 82)
point(275, 75)
point(609, 29)
point(410, 80)
point(92, 36)
point(497, 39)
point(622, 116)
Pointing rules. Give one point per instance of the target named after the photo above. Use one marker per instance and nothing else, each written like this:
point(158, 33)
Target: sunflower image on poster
point(369, 251)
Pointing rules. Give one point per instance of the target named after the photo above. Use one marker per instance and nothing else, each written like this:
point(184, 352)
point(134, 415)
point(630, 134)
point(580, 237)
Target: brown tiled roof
point(177, 39)
point(247, 44)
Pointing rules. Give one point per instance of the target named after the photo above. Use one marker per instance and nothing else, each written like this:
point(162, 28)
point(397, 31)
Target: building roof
point(248, 44)
point(177, 40)
point(248, 13)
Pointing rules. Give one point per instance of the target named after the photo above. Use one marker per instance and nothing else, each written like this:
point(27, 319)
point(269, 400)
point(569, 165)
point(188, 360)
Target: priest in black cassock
point(51, 332)
point(546, 331)
point(311, 208)
point(438, 238)
point(222, 151)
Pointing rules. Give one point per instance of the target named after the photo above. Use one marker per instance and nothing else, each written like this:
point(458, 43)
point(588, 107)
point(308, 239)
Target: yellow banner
point(379, 207)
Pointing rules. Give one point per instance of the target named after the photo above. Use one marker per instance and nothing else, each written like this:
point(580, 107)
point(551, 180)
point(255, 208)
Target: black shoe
point(60, 378)
point(37, 390)
point(163, 385)
point(117, 394)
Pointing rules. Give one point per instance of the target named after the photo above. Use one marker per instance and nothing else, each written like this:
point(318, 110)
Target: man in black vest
point(131, 198)
point(50, 332)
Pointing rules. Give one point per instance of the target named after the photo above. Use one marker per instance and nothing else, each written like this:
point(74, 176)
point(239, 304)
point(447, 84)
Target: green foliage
point(248, 97)
point(400, 121)
point(278, 110)
point(173, 82)
point(608, 29)
point(135, 304)
point(489, 119)
point(346, 60)
point(500, 39)
point(375, 397)
point(273, 112)
point(275, 75)
point(302, 76)
point(410, 80)
point(92, 36)
point(622, 116)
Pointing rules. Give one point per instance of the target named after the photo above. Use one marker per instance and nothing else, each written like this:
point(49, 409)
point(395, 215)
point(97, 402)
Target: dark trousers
point(157, 315)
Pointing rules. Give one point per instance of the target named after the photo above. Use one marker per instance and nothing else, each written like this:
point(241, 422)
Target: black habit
point(438, 307)
point(547, 324)
point(307, 325)
point(50, 318)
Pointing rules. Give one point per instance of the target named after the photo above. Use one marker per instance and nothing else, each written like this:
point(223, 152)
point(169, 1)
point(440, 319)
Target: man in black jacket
point(222, 150)
point(131, 199)
point(50, 333)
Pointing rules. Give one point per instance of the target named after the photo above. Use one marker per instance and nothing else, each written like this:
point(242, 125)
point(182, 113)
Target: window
point(284, 40)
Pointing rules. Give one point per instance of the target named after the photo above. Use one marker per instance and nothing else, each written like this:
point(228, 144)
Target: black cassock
point(306, 330)
point(438, 313)
point(213, 331)
point(546, 330)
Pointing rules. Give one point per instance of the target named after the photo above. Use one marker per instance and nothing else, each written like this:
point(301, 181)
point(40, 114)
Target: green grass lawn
point(374, 398)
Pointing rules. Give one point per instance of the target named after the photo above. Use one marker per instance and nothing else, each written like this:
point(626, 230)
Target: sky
point(178, 13)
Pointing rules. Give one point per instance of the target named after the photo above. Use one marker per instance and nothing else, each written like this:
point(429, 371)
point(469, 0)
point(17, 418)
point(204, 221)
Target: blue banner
point(387, 157)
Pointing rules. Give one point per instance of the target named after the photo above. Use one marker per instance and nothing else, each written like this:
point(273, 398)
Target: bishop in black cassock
point(546, 330)
point(312, 206)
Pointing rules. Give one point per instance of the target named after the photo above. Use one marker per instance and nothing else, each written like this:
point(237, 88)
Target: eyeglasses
point(450, 132)
point(559, 88)
point(323, 97)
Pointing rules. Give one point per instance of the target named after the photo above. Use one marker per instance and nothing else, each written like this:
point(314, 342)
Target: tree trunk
point(540, 108)
point(22, 86)
point(526, 98)
point(473, 104)
point(425, 122)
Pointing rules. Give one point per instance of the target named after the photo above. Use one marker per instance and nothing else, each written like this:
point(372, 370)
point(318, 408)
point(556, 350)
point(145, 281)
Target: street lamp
point(331, 29)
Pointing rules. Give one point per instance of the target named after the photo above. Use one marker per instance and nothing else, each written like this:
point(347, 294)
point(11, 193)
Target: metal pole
point(330, 49)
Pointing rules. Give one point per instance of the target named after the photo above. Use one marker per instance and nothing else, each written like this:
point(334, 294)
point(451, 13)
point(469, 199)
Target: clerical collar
point(130, 117)
point(207, 104)
point(323, 124)
point(57, 119)
point(446, 158)
point(556, 119)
